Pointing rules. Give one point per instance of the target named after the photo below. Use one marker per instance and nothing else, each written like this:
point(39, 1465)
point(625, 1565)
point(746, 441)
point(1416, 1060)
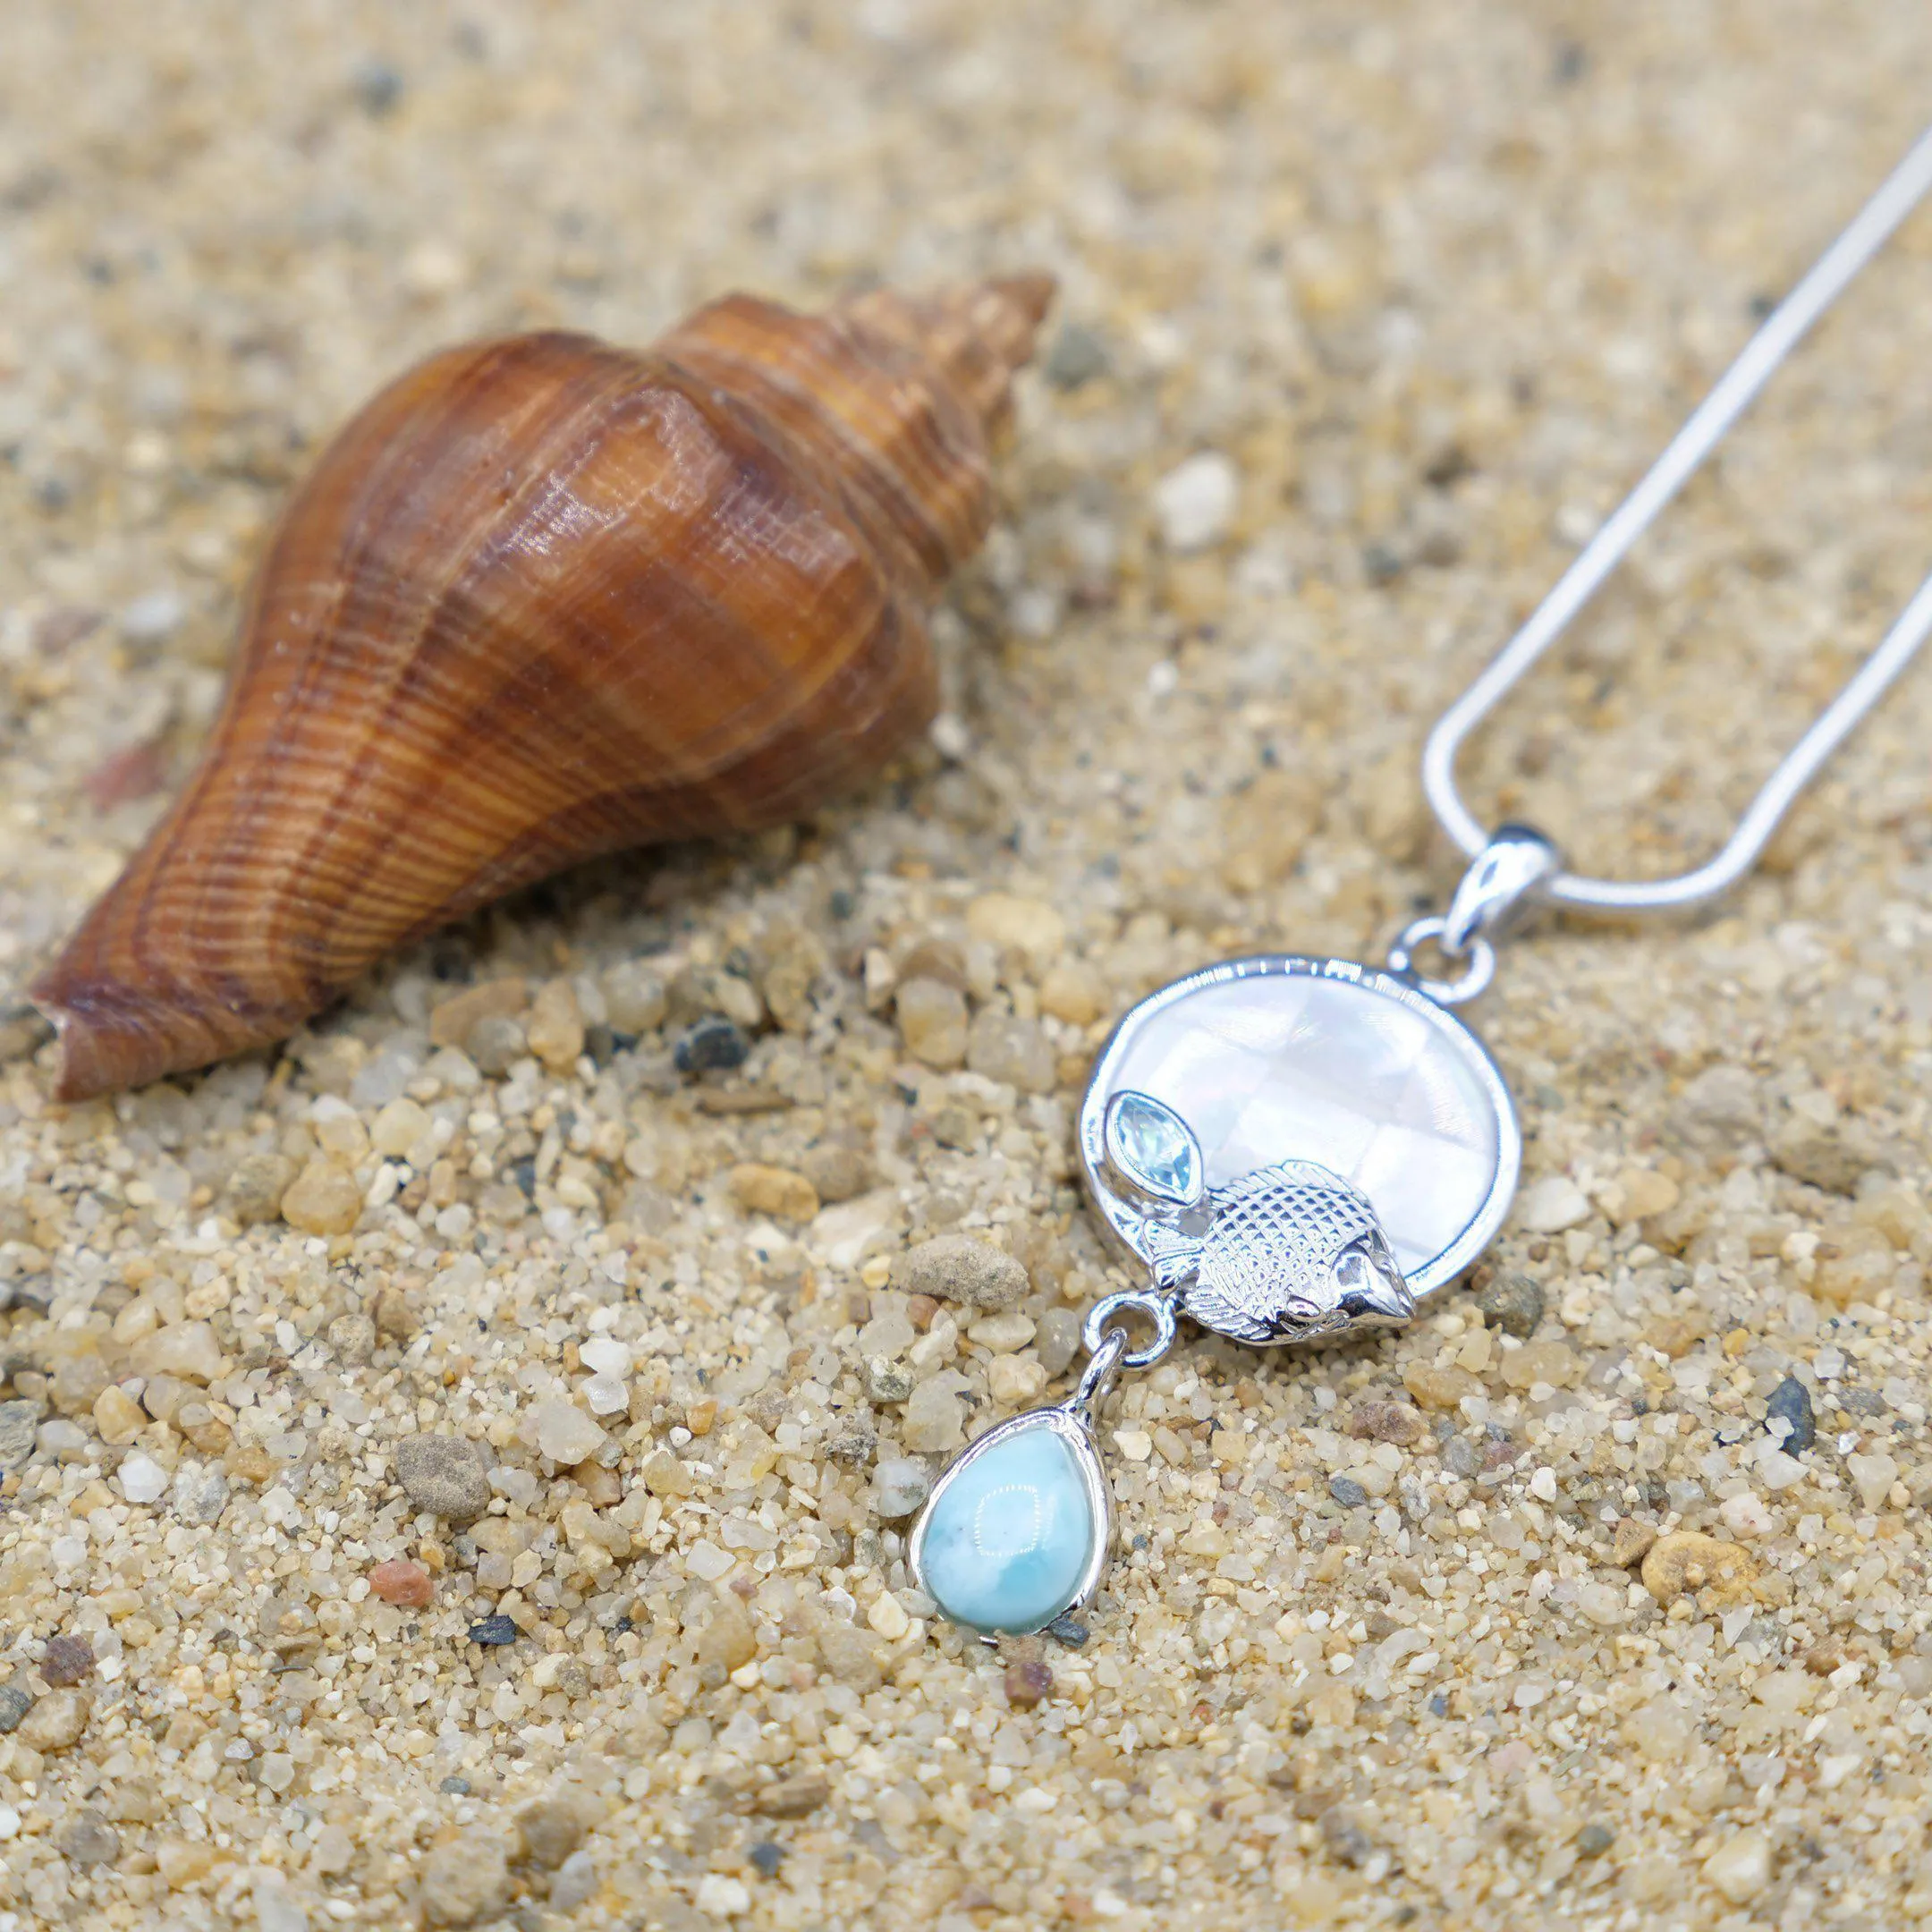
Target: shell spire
point(544, 599)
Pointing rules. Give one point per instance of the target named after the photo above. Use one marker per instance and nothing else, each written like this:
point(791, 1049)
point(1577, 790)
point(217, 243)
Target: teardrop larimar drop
point(1016, 1531)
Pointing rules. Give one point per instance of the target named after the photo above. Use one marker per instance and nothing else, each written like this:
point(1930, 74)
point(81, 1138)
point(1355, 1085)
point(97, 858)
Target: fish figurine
point(1292, 1252)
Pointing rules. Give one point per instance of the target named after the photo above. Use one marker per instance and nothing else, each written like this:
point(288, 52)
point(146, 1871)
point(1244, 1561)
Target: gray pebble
point(1862, 1402)
point(886, 1381)
point(89, 1840)
point(1791, 1401)
point(715, 1044)
point(1058, 1340)
point(1822, 1160)
point(495, 1043)
point(198, 1493)
point(1346, 1491)
point(1512, 1302)
point(1593, 1840)
point(443, 1477)
point(18, 1421)
point(959, 1267)
point(1077, 357)
point(14, 1705)
point(1347, 1843)
point(766, 1857)
point(1067, 1628)
point(1463, 1458)
point(854, 1439)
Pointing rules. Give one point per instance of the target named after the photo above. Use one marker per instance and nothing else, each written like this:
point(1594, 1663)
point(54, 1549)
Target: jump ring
point(1157, 1308)
point(1480, 953)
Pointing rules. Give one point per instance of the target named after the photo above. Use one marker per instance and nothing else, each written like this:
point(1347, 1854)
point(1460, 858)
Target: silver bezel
point(1122, 1222)
point(1067, 1420)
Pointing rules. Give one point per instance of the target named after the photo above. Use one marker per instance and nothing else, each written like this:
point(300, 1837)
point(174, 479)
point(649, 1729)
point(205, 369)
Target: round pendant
point(1283, 1059)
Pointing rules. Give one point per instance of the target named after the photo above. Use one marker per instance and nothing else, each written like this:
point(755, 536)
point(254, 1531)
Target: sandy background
point(1390, 1640)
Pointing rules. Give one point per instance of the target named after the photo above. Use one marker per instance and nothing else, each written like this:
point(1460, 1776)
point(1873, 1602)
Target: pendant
point(1292, 1150)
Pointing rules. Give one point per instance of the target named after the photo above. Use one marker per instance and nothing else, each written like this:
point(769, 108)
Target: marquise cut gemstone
point(1153, 1148)
point(1008, 1534)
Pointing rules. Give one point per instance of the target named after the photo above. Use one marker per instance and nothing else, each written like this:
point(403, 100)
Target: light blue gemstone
point(1154, 1147)
point(1009, 1535)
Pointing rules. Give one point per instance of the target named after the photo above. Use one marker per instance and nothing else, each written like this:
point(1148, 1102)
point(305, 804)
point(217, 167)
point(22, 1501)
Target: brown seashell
point(545, 598)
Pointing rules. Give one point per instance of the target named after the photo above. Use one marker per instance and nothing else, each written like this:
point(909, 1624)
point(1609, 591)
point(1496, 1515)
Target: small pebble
point(1346, 1491)
point(767, 1858)
point(67, 1659)
point(1028, 1683)
point(1194, 503)
point(19, 1420)
point(56, 1722)
point(1791, 1402)
point(715, 1045)
point(495, 1043)
point(1514, 1302)
point(777, 1191)
point(494, 1629)
point(1002, 1047)
point(142, 1479)
point(933, 1021)
point(257, 1185)
point(1077, 357)
point(900, 1484)
point(960, 1267)
point(89, 1840)
point(1593, 1840)
point(14, 1705)
point(324, 1198)
point(565, 1433)
point(1068, 1629)
point(455, 1786)
point(443, 1476)
point(406, 1584)
point(794, 1797)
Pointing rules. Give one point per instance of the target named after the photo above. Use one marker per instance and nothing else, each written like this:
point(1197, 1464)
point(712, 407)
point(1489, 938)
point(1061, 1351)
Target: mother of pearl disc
point(1313, 1060)
point(1007, 1535)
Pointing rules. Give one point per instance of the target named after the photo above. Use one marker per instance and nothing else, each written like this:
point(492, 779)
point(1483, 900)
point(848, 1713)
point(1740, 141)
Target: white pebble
point(1873, 1475)
point(887, 1616)
point(142, 1479)
point(1553, 1204)
point(606, 1394)
point(706, 1562)
point(1746, 1517)
point(604, 1355)
point(1194, 503)
point(721, 1897)
point(150, 618)
point(565, 1433)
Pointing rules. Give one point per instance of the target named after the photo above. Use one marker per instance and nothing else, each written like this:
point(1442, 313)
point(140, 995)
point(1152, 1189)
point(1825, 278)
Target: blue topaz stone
point(1151, 1149)
point(1015, 1534)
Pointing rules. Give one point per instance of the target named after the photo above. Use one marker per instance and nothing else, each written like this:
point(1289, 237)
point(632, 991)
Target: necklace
point(1295, 1147)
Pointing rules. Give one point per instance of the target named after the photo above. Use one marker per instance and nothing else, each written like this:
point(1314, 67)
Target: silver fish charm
point(1293, 1252)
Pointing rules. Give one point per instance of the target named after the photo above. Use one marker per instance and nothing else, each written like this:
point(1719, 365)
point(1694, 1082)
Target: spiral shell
point(542, 600)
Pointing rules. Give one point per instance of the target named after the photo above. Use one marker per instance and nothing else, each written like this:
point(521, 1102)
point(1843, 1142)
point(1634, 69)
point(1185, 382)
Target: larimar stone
point(1008, 1534)
point(1154, 1149)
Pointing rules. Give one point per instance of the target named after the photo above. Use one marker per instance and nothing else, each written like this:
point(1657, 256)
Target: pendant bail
point(1505, 883)
point(1509, 878)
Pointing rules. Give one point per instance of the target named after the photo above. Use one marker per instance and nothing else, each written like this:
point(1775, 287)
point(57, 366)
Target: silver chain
point(1787, 325)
